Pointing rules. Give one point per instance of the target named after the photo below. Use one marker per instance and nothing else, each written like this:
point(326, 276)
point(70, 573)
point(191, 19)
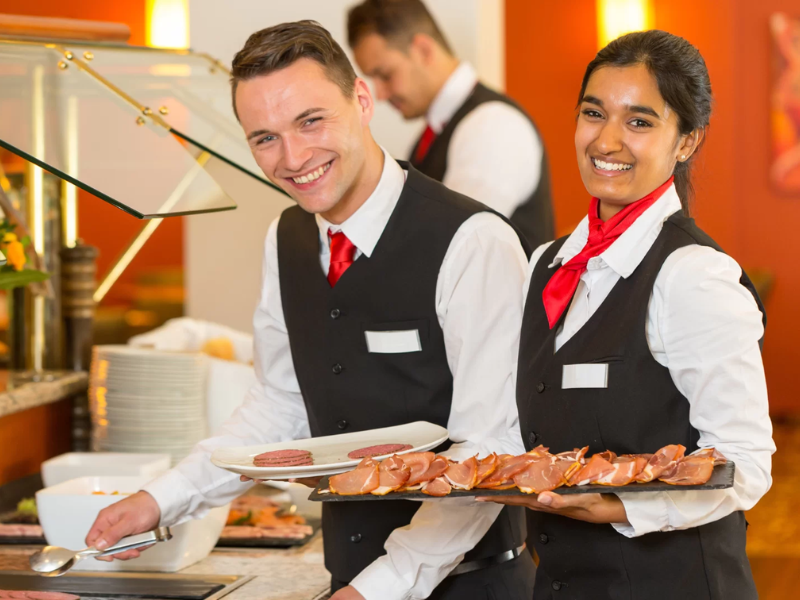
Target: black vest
point(534, 216)
point(640, 411)
point(346, 388)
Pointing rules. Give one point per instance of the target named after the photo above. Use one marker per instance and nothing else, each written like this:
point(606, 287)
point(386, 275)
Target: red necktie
point(562, 285)
point(424, 144)
point(343, 253)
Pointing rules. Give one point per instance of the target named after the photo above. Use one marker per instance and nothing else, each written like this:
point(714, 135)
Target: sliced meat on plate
point(660, 462)
point(380, 450)
point(419, 463)
point(691, 470)
point(487, 466)
point(361, 480)
point(597, 467)
point(542, 475)
point(437, 487)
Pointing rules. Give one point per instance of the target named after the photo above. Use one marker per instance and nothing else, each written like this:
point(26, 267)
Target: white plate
point(329, 452)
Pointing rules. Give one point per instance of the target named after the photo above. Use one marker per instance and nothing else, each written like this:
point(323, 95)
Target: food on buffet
point(364, 479)
point(532, 473)
point(253, 517)
point(381, 450)
point(114, 493)
point(27, 511)
point(284, 458)
point(221, 347)
point(20, 595)
point(660, 462)
point(23, 530)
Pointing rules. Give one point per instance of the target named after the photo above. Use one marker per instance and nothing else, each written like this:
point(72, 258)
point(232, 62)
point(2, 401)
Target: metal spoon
point(53, 561)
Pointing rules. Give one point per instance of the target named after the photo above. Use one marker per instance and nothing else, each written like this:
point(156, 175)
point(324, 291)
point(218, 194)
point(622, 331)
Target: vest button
point(342, 424)
point(337, 368)
point(556, 585)
point(355, 538)
point(540, 387)
point(533, 437)
point(336, 313)
point(543, 538)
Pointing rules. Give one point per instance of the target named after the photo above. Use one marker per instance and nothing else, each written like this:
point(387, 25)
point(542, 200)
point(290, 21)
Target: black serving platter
point(270, 542)
point(721, 478)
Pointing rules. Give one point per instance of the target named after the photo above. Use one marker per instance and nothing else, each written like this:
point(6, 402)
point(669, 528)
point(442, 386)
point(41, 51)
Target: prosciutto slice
point(437, 487)
point(571, 461)
point(542, 475)
point(691, 470)
point(361, 480)
point(625, 469)
point(719, 459)
point(463, 475)
point(419, 463)
point(661, 462)
point(392, 475)
point(592, 471)
point(503, 476)
point(487, 466)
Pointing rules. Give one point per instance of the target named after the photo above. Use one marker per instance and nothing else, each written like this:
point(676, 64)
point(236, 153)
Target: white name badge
point(584, 376)
point(393, 342)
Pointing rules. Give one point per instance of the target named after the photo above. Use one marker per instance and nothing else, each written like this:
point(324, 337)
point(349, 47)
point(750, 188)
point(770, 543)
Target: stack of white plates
point(146, 400)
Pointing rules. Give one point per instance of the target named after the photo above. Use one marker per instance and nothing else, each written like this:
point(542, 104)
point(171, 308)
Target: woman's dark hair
point(682, 79)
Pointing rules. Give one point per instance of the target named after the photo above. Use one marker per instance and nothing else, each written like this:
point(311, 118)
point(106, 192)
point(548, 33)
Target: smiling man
point(386, 299)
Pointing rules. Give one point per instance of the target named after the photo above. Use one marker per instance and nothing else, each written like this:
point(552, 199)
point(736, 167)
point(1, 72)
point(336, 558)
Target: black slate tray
point(721, 478)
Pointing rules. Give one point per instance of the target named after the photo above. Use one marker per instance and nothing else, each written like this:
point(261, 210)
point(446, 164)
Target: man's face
point(305, 134)
point(399, 77)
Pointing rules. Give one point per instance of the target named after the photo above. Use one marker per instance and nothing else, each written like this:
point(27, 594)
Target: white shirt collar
point(365, 226)
point(453, 94)
point(625, 254)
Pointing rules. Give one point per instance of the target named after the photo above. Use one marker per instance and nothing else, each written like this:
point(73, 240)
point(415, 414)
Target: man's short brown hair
point(280, 46)
point(398, 21)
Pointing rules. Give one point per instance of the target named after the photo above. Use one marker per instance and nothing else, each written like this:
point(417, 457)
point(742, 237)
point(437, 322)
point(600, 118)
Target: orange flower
point(14, 251)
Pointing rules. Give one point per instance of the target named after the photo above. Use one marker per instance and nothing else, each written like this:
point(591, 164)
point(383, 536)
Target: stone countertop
point(21, 391)
point(280, 574)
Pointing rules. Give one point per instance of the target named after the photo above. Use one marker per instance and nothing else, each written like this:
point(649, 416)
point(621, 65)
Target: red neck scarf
point(562, 285)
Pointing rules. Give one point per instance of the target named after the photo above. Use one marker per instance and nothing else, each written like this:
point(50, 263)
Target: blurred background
point(747, 187)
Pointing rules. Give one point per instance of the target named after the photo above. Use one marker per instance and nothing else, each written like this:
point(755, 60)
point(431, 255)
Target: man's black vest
point(534, 216)
point(640, 411)
point(345, 388)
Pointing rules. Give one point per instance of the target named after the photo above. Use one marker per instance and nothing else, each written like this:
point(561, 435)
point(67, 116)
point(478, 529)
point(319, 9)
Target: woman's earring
point(683, 157)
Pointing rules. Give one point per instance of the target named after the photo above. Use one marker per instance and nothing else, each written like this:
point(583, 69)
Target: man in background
point(477, 141)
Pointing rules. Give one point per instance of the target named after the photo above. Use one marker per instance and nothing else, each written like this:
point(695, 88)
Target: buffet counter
point(19, 392)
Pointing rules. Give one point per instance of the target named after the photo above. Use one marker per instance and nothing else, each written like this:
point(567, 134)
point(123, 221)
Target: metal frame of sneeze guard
point(88, 111)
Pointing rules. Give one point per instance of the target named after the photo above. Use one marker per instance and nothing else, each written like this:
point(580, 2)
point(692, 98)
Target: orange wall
point(548, 46)
point(99, 223)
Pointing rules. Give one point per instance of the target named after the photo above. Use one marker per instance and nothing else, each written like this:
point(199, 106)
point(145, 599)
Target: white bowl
point(68, 510)
point(80, 464)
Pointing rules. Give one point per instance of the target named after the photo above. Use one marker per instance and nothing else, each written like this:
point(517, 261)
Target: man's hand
point(593, 508)
point(347, 593)
point(135, 514)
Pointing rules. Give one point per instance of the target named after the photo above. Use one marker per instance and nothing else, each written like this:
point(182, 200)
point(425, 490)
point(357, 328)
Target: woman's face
point(627, 137)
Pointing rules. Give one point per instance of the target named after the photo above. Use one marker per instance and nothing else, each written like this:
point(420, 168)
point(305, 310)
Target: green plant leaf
point(21, 278)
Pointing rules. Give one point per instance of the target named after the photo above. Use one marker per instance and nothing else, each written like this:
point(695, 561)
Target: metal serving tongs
point(53, 561)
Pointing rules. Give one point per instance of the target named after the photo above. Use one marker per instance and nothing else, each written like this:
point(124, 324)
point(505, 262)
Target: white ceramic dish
point(329, 452)
point(81, 464)
point(67, 511)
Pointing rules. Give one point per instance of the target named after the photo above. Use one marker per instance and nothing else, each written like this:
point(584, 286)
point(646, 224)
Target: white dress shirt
point(495, 154)
point(704, 326)
point(478, 303)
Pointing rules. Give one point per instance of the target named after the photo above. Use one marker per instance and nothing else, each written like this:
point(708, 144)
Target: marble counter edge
point(38, 393)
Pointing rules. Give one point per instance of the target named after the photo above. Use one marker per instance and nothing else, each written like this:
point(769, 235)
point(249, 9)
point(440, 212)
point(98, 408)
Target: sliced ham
point(596, 468)
point(571, 461)
point(719, 459)
point(608, 455)
point(419, 463)
point(463, 475)
point(691, 470)
point(539, 451)
point(361, 480)
point(437, 487)
point(661, 462)
point(542, 475)
point(486, 467)
point(380, 450)
point(625, 469)
point(392, 475)
point(503, 476)
point(438, 467)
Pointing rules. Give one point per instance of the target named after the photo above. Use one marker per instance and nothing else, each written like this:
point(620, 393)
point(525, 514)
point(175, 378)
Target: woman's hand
point(593, 508)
